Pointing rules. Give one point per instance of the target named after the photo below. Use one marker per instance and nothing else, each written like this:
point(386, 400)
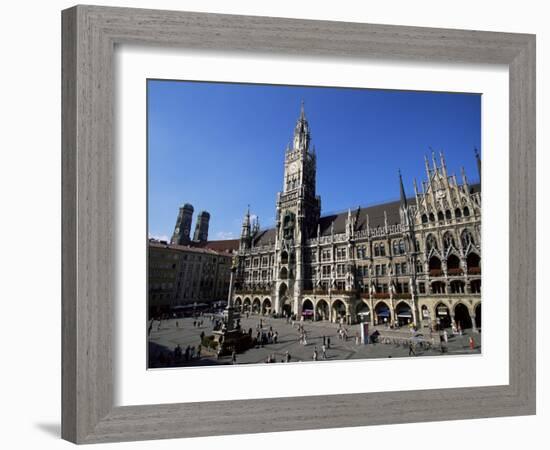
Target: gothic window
point(401, 247)
point(404, 268)
point(416, 245)
point(448, 214)
point(458, 213)
point(284, 258)
point(419, 267)
point(432, 217)
point(421, 288)
point(325, 255)
point(448, 241)
point(431, 243)
point(377, 269)
point(473, 262)
point(457, 287)
point(467, 238)
point(466, 211)
point(424, 218)
point(340, 253)
point(376, 250)
point(340, 270)
point(395, 247)
point(440, 216)
point(326, 271)
point(382, 249)
point(398, 269)
point(475, 286)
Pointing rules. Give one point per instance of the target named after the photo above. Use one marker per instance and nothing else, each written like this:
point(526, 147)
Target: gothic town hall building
point(416, 260)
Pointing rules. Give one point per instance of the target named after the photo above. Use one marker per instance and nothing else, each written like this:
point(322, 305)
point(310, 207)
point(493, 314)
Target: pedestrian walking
point(471, 343)
point(234, 357)
point(287, 356)
point(275, 337)
point(412, 350)
point(177, 324)
point(328, 342)
point(324, 350)
point(445, 336)
point(315, 354)
point(324, 340)
point(199, 349)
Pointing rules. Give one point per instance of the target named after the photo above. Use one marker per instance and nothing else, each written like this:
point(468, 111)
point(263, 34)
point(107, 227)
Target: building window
point(376, 250)
point(382, 250)
point(326, 271)
point(340, 270)
point(421, 288)
point(340, 253)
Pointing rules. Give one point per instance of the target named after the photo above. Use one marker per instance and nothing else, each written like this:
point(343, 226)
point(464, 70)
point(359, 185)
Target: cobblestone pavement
point(165, 339)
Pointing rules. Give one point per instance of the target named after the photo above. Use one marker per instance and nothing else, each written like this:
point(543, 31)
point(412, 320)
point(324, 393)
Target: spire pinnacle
point(478, 160)
point(402, 190)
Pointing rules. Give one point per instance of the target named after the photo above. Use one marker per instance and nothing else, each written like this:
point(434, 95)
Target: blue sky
point(221, 146)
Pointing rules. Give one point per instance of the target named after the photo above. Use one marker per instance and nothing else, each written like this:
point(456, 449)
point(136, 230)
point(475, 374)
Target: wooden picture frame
point(90, 34)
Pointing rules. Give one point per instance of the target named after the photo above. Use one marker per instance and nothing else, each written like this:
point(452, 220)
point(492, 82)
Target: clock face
point(292, 168)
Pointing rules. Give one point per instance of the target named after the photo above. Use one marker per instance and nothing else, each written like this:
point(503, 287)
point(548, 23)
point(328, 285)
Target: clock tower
point(298, 212)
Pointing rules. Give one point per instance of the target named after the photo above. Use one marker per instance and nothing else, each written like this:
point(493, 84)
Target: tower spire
point(478, 161)
point(301, 131)
point(402, 190)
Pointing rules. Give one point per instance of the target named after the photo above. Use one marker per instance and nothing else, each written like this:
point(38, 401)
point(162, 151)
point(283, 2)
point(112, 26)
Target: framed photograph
point(277, 224)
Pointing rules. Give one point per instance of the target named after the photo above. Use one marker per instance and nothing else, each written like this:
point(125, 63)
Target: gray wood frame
point(89, 37)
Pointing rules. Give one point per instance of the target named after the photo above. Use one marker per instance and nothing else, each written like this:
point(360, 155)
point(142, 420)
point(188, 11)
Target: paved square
point(163, 340)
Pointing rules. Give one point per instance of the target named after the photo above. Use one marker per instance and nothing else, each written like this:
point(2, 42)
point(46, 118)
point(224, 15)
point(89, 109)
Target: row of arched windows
point(466, 239)
point(447, 215)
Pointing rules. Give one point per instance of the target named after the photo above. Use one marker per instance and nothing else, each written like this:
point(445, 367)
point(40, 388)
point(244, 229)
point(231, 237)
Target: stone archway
point(256, 306)
point(442, 316)
point(322, 310)
point(478, 316)
point(363, 312)
point(247, 303)
point(382, 313)
point(403, 313)
point(266, 307)
point(339, 311)
point(462, 316)
point(308, 311)
point(238, 303)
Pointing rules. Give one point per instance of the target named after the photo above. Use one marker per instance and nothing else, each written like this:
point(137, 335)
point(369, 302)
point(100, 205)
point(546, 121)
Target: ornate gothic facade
point(416, 260)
